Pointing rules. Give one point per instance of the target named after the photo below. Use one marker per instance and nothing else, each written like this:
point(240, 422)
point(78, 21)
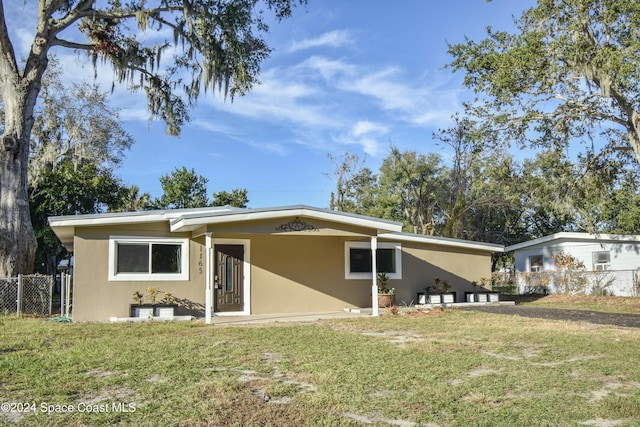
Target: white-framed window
point(148, 258)
point(357, 260)
point(536, 263)
point(601, 261)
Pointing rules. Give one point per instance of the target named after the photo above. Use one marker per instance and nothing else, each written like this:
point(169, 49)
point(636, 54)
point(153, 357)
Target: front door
point(229, 279)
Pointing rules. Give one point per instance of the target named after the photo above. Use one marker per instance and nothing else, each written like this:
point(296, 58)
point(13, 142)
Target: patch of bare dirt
point(572, 315)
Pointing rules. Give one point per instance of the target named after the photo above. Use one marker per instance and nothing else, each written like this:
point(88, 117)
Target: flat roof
point(182, 220)
point(443, 241)
point(575, 236)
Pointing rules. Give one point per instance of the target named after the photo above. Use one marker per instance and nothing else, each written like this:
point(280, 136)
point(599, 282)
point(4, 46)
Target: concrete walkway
point(256, 319)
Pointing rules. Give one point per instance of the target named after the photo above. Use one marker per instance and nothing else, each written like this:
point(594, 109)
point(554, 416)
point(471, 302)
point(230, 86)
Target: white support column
point(374, 278)
point(67, 308)
point(208, 294)
point(63, 293)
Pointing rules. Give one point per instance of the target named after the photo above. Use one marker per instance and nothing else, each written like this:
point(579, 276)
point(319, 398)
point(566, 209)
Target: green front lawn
point(456, 368)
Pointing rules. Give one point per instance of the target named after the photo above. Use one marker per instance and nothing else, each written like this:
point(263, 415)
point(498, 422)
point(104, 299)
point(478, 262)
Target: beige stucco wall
point(301, 273)
point(290, 272)
point(95, 298)
point(421, 263)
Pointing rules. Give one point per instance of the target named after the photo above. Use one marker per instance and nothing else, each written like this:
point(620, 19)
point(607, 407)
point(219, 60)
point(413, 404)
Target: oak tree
point(213, 45)
point(570, 73)
point(182, 189)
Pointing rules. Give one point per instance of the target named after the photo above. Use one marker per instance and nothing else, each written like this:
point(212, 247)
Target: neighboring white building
point(614, 259)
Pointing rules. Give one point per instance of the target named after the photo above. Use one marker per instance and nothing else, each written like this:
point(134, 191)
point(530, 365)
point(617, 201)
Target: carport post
point(374, 278)
point(208, 294)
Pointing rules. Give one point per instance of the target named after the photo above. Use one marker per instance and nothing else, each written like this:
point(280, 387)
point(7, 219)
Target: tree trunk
point(19, 93)
point(17, 239)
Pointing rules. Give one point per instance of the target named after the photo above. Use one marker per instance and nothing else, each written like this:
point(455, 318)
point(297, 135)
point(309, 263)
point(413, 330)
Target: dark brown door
point(229, 278)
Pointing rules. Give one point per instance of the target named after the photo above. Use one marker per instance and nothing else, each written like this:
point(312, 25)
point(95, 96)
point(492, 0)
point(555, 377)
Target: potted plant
point(140, 309)
point(471, 296)
point(166, 307)
point(448, 297)
point(441, 292)
point(386, 295)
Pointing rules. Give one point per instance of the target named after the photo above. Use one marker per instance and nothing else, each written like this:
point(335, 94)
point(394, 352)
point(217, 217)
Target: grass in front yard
point(457, 368)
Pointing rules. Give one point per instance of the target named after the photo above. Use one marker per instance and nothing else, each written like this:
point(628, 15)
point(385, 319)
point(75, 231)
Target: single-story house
point(225, 260)
point(613, 260)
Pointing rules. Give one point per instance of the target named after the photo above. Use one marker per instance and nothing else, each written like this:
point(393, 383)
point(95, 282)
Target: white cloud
point(366, 134)
point(365, 127)
point(334, 38)
point(213, 126)
point(280, 98)
point(421, 105)
point(328, 69)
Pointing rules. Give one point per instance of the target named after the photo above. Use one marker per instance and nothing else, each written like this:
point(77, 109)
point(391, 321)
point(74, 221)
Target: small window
point(148, 258)
point(165, 258)
point(133, 258)
point(536, 263)
point(358, 260)
point(601, 261)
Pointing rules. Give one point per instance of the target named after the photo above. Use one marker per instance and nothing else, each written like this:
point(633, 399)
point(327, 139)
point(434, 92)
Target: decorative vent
point(296, 225)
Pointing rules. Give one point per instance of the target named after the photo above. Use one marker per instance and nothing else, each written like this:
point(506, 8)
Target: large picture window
point(145, 258)
point(358, 260)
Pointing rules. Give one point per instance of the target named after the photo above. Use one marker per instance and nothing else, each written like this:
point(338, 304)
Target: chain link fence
point(26, 294)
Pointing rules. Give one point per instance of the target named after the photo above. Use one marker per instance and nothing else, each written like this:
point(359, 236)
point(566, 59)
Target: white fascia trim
point(130, 217)
point(442, 241)
point(575, 236)
point(185, 223)
point(80, 222)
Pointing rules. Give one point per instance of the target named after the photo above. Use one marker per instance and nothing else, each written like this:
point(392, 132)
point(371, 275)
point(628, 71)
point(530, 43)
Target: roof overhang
point(64, 226)
point(191, 222)
point(443, 241)
point(571, 236)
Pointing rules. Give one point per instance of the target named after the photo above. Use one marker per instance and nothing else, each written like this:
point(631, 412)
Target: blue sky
point(344, 76)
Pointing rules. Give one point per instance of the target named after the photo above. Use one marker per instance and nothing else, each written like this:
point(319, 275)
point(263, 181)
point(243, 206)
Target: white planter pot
point(447, 299)
point(422, 298)
point(164, 311)
point(493, 297)
point(471, 298)
point(481, 297)
point(144, 312)
point(435, 299)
